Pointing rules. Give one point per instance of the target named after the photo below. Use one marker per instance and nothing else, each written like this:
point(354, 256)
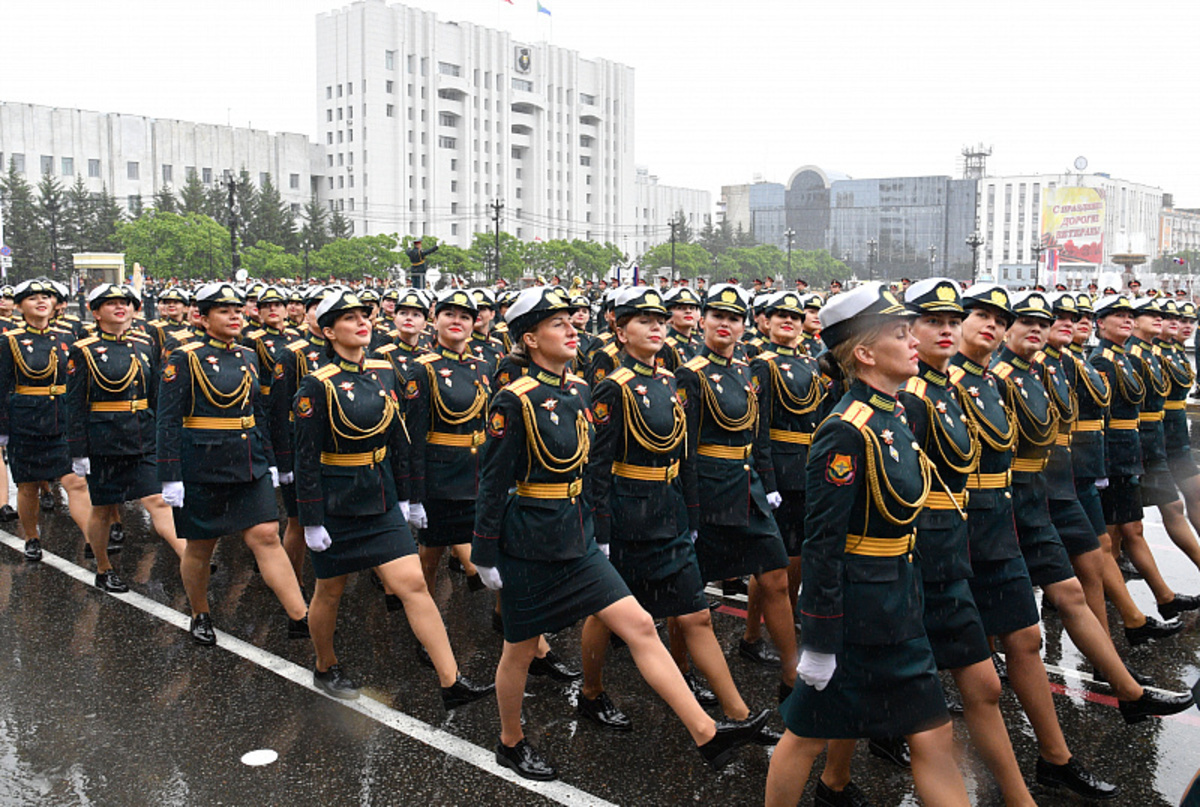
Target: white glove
point(604, 549)
point(173, 493)
point(774, 498)
point(694, 534)
point(274, 476)
point(417, 516)
point(490, 576)
point(405, 509)
point(3, 440)
point(81, 466)
point(815, 669)
point(1101, 484)
point(317, 538)
point(287, 478)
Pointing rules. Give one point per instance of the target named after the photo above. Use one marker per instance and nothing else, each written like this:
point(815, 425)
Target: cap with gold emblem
point(813, 301)
point(460, 298)
point(533, 305)
point(1031, 304)
point(484, 298)
point(1111, 304)
point(638, 300)
point(6, 291)
point(988, 295)
point(335, 304)
point(934, 295)
point(788, 301)
point(411, 298)
point(369, 296)
point(1148, 306)
point(1170, 309)
point(1083, 304)
point(681, 295)
point(211, 295)
point(727, 297)
point(255, 289)
point(314, 294)
point(866, 306)
point(1187, 310)
point(112, 291)
point(271, 294)
point(1063, 302)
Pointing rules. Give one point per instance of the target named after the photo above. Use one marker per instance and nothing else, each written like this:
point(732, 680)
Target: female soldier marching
point(446, 395)
point(537, 545)
point(640, 509)
point(736, 534)
point(352, 459)
point(867, 667)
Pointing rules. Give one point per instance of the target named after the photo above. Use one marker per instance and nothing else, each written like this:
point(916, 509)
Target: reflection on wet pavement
point(102, 703)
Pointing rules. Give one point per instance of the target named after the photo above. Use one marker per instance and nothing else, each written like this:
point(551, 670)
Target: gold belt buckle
point(378, 454)
point(247, 422)
point(575, 488)
point(477, 438)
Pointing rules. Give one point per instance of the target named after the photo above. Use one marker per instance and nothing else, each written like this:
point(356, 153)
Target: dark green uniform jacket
point(112, 395)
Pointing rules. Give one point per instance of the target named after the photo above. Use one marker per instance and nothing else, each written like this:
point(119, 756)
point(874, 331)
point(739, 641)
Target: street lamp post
point(974, 241)
point(872, 244)
point(1037, 248)
point(932, 258)
point(790, 235)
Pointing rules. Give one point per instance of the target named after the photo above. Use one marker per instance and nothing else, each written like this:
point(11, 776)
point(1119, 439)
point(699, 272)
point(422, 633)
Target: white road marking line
point(1087, 678)
point(436, 738)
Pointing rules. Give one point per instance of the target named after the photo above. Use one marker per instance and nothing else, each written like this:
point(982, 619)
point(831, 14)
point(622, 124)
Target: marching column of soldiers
point(893, 476)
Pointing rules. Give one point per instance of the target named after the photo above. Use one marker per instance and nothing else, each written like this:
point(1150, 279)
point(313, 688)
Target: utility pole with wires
point(496, 207)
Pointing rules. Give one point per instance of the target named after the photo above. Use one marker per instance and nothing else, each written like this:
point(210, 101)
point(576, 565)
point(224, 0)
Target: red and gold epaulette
point(522, 386)
point(916, 386)
point(857, 414)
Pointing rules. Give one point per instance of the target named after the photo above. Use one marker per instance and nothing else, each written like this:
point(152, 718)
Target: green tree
point(77, 217)
point(512, 255)
point(267, 260)
point(52, 215)
point(355, 258)
point(683, 230)
point(102, 227)
point(170, 245)
point(691, 260)
point(315, 230)
point(272, 220)
point(136, 208)
point(22, 232)
point(165, 201)
point(339, 226)
point(194, 198)
point(452, 260)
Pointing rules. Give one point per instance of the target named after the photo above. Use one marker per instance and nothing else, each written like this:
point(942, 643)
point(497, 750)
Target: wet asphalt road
point(103, 702)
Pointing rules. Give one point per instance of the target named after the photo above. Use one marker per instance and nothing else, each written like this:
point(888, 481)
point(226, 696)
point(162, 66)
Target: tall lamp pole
point(974, 241)
point(932, 259)
point(872, 244)
point(790, 235)
point(1037, 248)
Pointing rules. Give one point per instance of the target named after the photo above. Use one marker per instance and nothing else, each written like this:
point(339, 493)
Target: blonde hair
point(842, 366)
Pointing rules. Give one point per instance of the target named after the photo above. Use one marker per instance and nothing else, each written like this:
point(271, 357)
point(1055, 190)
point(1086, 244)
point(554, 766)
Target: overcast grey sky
point(725, 91)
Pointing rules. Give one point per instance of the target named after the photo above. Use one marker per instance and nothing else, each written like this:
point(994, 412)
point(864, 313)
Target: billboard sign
point(1073, 224)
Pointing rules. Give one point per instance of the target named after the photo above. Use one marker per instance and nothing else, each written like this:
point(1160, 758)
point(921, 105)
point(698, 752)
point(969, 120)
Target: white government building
point(426, 123)
point(422, 124)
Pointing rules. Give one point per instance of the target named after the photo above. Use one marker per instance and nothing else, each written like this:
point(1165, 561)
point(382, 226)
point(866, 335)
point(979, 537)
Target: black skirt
point(725, 552)
point(1073, 526)
point(548, 596)
point(789, 517)
point(1089, 499)
point(1122, 500)
point(362, 543)
point(1003, 594)
point(116, 480)
point(663, 576)
point(953, 625)
point(212, 510)
point(877, 691)
point(38, 459)
point(1158, 486)
point(450, 522)
point(1183, 466)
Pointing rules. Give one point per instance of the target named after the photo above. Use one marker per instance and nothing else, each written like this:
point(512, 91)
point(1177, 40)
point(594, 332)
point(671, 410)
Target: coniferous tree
point(51, 213)
point(21, 230)
point(273, 221)
point(314, 233)
point(193, 198)
point(339, 226)
point(165, 201)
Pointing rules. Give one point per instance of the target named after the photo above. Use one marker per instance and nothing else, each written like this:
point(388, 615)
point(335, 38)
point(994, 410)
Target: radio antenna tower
point(975, 161)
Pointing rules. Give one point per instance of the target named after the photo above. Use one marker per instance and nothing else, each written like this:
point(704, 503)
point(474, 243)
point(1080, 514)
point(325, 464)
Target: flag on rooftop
point(543, 10)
